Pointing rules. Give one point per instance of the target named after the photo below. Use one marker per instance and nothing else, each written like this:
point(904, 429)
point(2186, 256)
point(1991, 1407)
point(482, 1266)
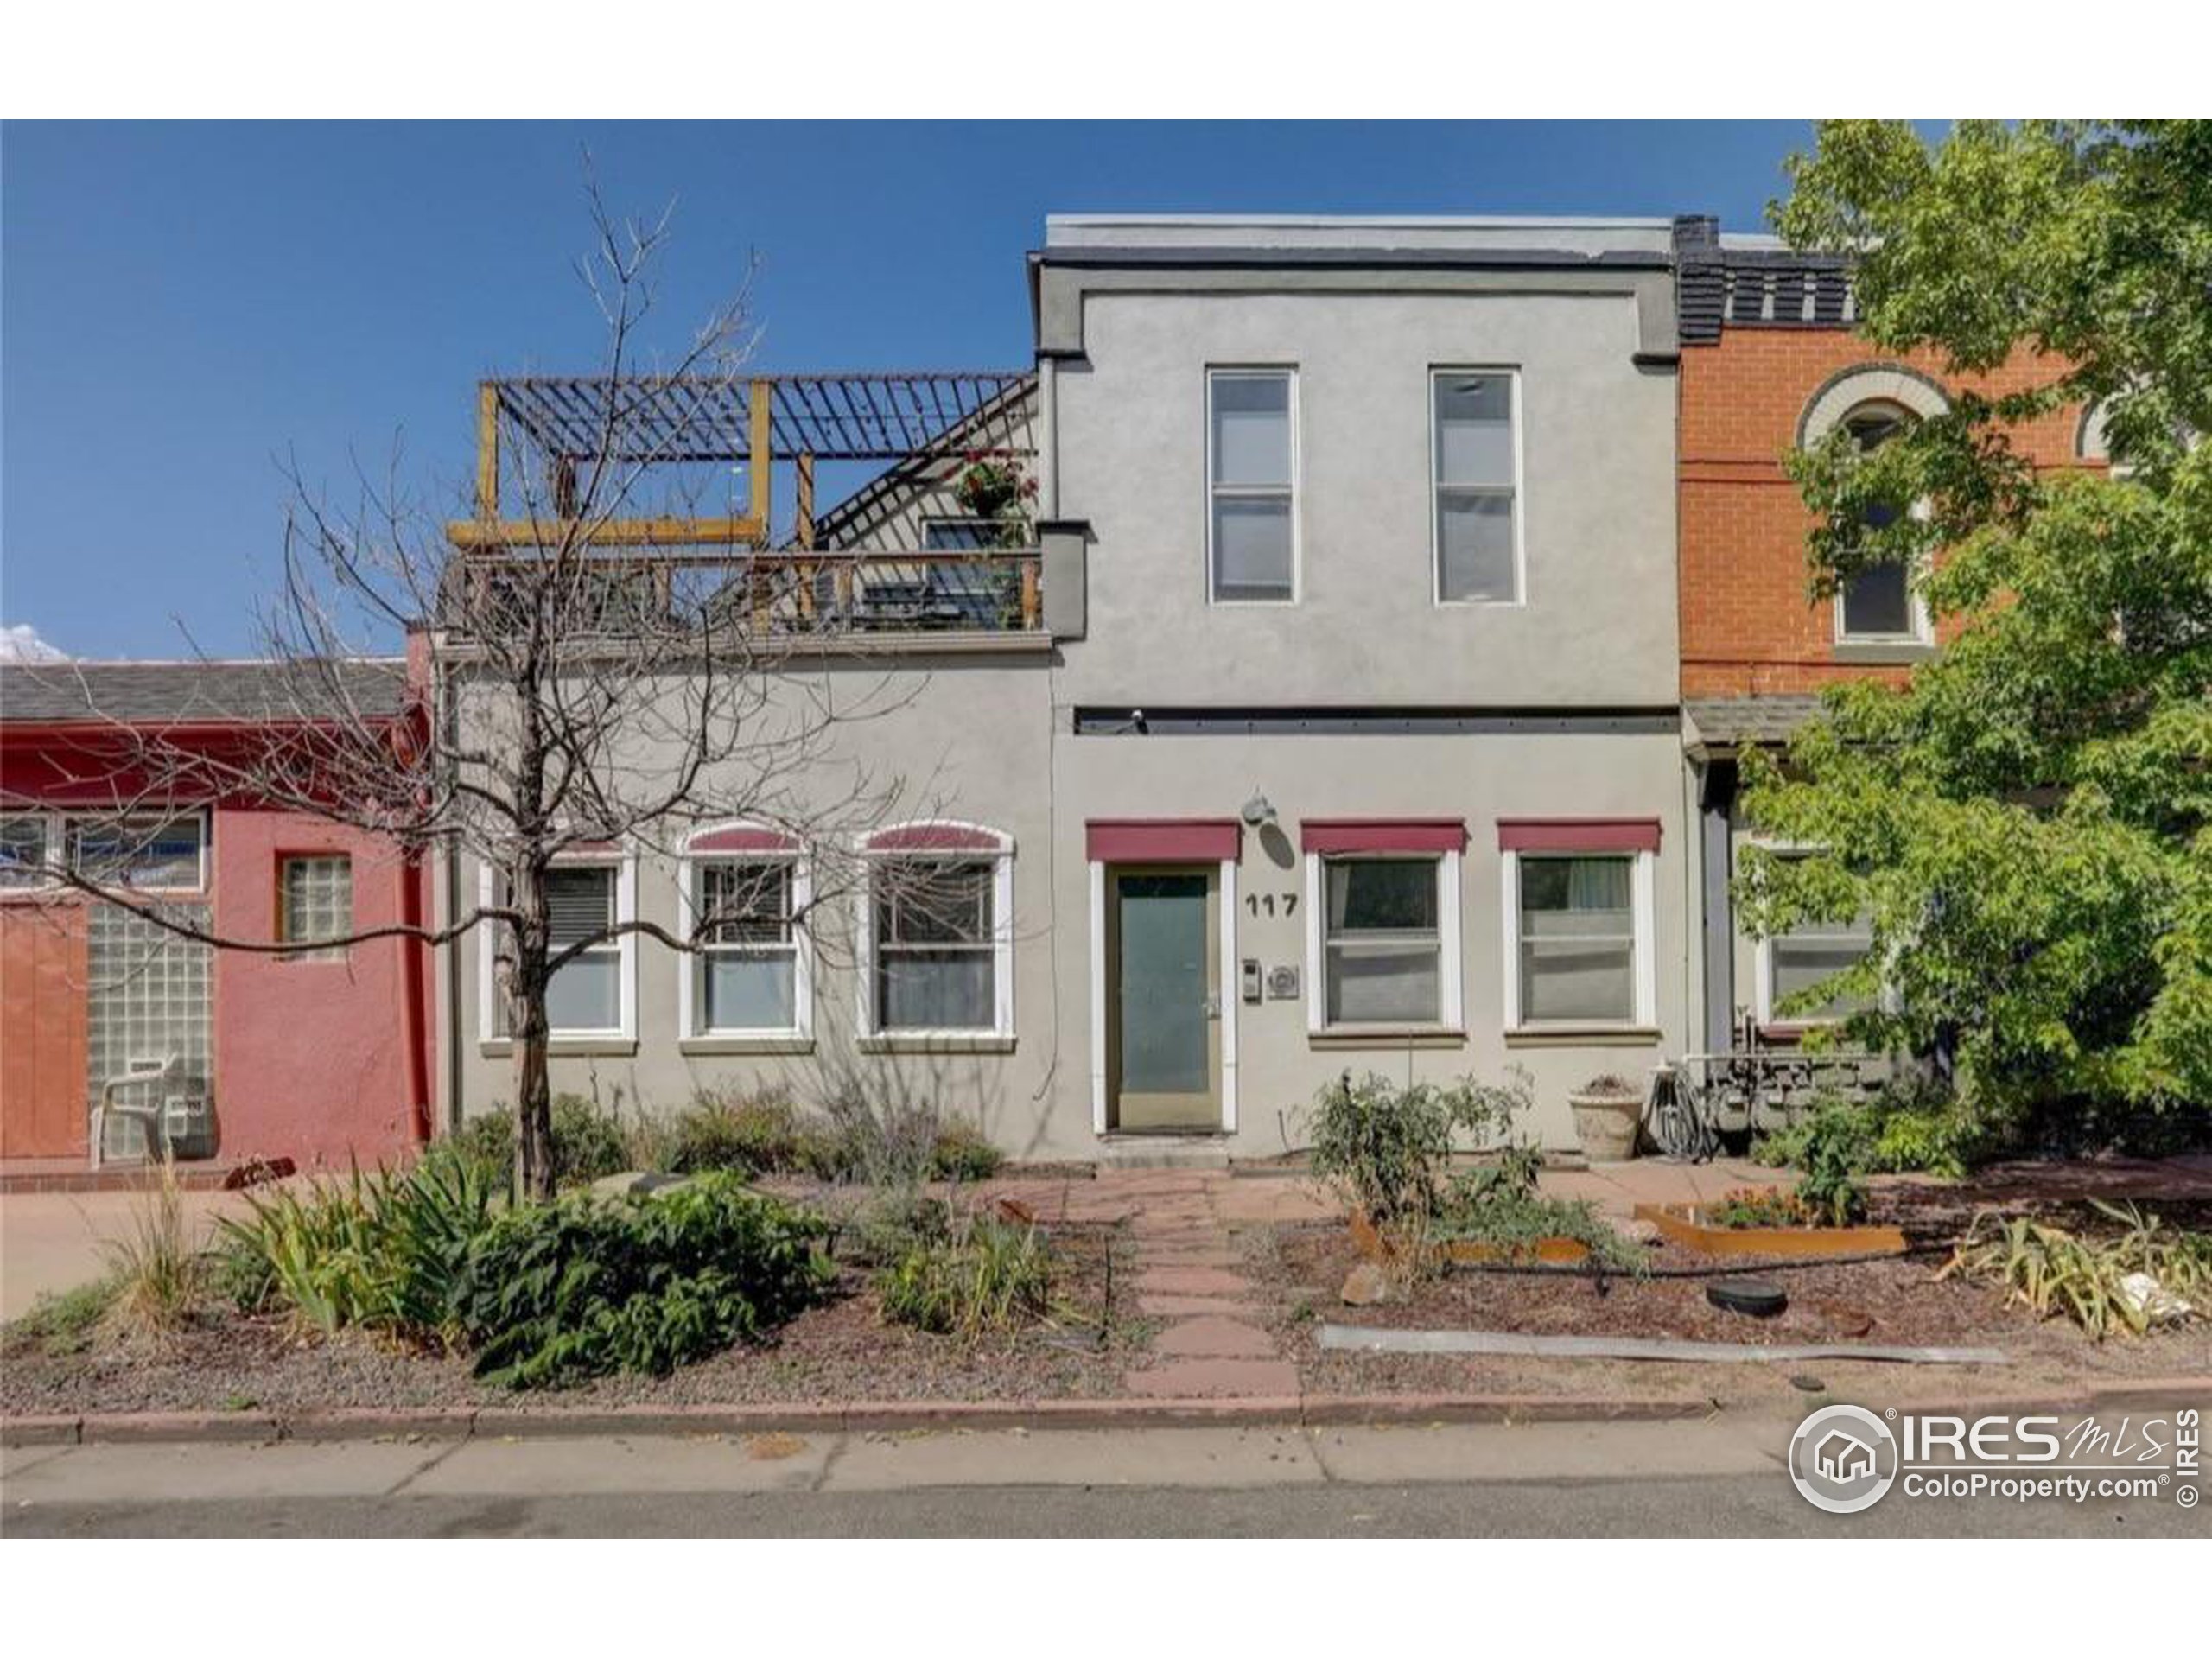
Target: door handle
point(1213, 1007)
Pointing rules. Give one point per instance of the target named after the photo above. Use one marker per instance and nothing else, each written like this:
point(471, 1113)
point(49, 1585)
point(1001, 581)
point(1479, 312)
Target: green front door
point(1163, 1020)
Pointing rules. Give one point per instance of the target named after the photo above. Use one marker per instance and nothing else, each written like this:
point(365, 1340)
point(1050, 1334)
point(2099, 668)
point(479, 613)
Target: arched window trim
point(949, 839)
point(1842, 399)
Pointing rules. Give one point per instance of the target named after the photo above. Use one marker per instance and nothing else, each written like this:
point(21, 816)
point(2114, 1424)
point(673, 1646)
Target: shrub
point(588, 1142)
point(986, 1275)
point(1497, 1203)
point(760, 1134)
point(553, 1293)
point(159, 1276)
point(1387, 1147)
point(1838, 1147)
point(2053, 1271)
point(1749, 1206)
point(382, 1251)
point(64, 1323)
point(960, 1153)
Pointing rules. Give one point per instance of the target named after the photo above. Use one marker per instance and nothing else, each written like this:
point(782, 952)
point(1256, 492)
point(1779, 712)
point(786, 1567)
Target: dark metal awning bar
point(876, 416)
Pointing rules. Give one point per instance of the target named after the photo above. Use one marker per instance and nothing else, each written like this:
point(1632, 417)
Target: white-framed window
point(1879, 605)
point(145, 854)
point(594, 994)
point(24, 839)
point(1796, 959)
point(751, 974)
point(1475, 476)
point(1579, 947)
point(936, 932)
point(1251, 486)
point(1383, 941)
point(315, 900)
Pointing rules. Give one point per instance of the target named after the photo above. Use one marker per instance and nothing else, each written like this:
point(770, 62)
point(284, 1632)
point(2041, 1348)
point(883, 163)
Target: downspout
point(412, 950)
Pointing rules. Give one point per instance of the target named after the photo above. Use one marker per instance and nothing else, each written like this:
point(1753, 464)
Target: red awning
point(1578, 835)
point(1382, 835)
point(1161, 840)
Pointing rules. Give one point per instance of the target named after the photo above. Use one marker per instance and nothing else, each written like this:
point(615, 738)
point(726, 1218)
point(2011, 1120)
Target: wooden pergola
point(569, 422)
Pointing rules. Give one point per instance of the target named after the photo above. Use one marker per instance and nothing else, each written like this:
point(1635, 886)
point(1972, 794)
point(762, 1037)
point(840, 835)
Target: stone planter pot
point(1606, 1125)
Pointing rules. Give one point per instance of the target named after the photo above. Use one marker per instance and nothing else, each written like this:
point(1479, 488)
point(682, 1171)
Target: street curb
point(901, 1416)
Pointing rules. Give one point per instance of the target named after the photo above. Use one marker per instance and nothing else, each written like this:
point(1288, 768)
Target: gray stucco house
point(1333, 721)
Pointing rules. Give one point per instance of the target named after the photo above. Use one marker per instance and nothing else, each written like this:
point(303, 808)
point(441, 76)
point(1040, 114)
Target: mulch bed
point(1894, 1303)
point(839, 1351)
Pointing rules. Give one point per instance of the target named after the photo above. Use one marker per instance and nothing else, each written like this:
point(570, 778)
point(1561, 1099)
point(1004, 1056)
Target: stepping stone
point(1186, 1307)
point(1214, 1338)
point(1191, 1281)
point(1149, 1258)
point(1182, 1379)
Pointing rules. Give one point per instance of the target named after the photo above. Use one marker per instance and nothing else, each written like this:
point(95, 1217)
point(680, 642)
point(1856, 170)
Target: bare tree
point(600, 672)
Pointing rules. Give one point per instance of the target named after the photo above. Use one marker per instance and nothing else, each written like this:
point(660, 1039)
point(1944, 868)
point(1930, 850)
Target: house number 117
point(1258, 902)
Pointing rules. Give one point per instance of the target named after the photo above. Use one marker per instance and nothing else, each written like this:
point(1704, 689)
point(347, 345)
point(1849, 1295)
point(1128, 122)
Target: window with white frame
point(1251, 508)
point(747, 973)
point(1475, 475)
point(935, 936)
point(1382, 941)
point(22, 850)
point(1579, 935)
point(1878, 605)
point(1801, 959)
point(314, 901)
point(585, 993)
point(590, 994)
point(147, 854)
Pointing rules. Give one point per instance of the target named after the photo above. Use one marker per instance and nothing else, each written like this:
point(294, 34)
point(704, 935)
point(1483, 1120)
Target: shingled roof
point(169, 693)
point(1725, 723)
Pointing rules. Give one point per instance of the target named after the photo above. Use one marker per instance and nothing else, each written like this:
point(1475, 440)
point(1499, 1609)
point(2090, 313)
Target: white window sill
point(1386, 1036)
point(938, 1042)
point(1583, 1036)
point(612, 1044)
point(747, 1042)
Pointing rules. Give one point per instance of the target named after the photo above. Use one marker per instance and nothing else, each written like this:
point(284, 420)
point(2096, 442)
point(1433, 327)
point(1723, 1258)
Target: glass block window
point(1577, 938)
point(747, 966)
point(147, 999)
point(1476, 476)
point(935, 943)
point(314, 901)
point(1382, 951)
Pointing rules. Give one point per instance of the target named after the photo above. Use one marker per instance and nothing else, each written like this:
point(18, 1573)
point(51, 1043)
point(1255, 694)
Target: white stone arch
point(1869, 382)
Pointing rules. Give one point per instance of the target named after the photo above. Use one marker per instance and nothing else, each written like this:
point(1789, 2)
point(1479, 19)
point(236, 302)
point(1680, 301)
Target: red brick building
point(1770, 361)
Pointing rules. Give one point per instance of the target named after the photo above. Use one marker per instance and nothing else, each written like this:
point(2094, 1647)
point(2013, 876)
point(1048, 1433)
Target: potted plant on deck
point(1607, 1112)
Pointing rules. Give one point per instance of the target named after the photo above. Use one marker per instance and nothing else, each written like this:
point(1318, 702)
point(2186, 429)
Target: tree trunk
point(527, 1026)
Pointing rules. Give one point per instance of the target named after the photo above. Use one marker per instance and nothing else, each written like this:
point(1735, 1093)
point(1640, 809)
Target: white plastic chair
point(162, 1099)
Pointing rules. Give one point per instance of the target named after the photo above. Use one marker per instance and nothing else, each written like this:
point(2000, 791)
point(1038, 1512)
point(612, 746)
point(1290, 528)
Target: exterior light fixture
point(1258, 810)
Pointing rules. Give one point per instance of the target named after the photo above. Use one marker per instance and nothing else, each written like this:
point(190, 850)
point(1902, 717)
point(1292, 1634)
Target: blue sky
point(184, 304)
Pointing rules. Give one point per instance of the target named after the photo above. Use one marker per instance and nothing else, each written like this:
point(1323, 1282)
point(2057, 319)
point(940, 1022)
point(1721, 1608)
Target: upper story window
point(1877, 603)
point(314, 895)
point(146, 854)
point(1251, 466)
point(22, 850)
point(1476, 463)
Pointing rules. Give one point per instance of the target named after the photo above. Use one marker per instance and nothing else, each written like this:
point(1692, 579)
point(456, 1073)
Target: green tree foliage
point(2026, 823)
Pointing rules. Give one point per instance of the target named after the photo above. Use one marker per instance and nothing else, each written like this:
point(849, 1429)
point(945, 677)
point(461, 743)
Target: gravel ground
point(839, 1351)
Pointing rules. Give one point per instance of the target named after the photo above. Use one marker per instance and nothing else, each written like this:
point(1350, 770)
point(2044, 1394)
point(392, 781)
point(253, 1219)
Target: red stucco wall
point(311, 1057)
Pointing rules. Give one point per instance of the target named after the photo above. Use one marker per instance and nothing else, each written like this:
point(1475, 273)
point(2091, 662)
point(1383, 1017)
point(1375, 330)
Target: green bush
point(382, 1251)
point(1386, 1146)
point(1908, 1129)
point(960, 1153)
point(985, 1276)
point(588, 1141)
point(64, 1322)
point(1497, 1203)
point(1838, 1148)
point(553, 1293)
point(762, 1134)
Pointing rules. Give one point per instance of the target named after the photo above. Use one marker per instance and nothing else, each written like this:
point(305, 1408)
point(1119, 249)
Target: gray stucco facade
point(1242, 750)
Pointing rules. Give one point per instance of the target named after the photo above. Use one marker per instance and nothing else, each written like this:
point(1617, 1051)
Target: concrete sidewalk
point(51, 1242)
